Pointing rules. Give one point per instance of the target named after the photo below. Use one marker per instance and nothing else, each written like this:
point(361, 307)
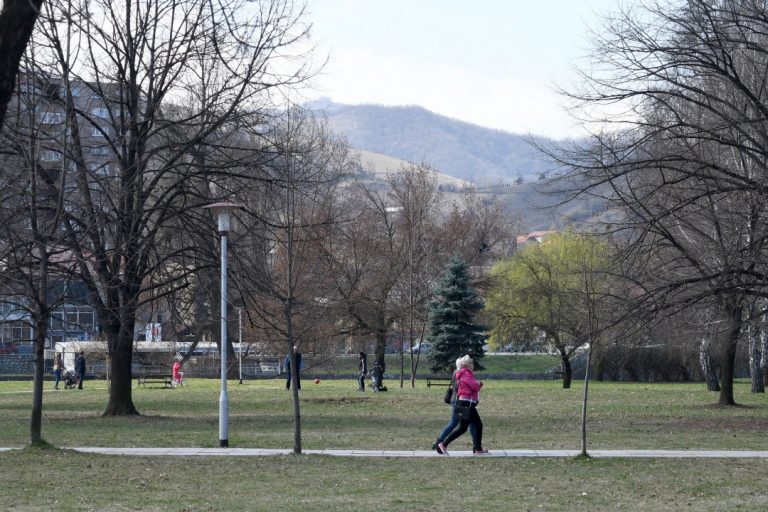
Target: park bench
point(438, 381)
point(556, 374)
point(154, 376)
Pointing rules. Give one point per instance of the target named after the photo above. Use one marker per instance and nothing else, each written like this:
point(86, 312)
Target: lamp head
point(223, 211)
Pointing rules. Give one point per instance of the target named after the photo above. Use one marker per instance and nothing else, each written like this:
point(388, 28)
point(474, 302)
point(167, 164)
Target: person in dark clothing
point(80, 369)
point(287, 368)
point(362, 367)
point(376, 375)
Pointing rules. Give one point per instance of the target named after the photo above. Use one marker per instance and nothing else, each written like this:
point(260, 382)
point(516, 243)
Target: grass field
point(516, 414)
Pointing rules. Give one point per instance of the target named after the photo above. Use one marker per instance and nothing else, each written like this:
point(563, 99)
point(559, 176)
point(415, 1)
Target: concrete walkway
point(260, 452)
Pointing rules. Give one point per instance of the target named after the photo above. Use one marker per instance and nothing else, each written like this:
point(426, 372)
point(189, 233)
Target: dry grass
point(516, 415)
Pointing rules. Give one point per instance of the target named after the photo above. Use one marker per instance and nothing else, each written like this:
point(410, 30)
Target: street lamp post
point(223, 211)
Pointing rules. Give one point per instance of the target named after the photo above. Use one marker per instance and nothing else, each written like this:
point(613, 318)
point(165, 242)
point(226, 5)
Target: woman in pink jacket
point(468, 393)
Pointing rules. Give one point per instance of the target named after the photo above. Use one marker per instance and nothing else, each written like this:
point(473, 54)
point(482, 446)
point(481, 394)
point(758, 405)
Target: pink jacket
point(468, 386)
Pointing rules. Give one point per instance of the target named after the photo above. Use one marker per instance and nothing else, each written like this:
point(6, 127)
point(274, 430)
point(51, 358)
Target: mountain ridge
point(457, 148)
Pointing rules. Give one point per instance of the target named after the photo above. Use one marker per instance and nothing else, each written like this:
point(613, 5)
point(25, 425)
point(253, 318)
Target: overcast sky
point(488, 62)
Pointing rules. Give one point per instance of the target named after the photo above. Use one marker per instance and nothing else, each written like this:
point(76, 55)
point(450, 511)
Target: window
point(96, 132)
point(99, 151)
point(52, 117)
point(48, 155)
point(100, 112)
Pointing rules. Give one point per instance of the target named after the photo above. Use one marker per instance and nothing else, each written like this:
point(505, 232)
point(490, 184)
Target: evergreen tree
point(451, 328)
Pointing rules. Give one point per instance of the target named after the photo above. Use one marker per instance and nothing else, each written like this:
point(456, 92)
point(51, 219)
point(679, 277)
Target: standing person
point(454, 421)
point(288, 369)
point(58, 366)
point(468, 395)
point(362, 371)
point(376, 375)
point(80, 369)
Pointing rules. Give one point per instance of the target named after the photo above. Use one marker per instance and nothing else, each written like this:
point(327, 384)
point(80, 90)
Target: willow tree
point(550, 288)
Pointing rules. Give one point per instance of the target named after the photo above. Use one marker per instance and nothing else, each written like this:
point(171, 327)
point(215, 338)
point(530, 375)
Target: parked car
point(421, 348)
point(8, 347)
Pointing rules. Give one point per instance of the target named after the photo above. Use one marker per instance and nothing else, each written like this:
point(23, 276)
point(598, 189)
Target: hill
point(462, 150)
point(498, 164)
point(380, 166)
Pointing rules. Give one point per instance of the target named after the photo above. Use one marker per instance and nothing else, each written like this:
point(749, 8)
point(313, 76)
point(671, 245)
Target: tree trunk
point(120, 340)
point(294, 378)
point(36, 423)
point(763, 337)
point(584, 404)
point(567, 370)
point(755, 370)
point(728, 356)
point(707, 368)
point(381, 345)
point(599, 367)
point(17, 20)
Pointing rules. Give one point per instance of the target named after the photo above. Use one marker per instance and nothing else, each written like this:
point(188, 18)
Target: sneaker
point(436, 447)
point(442, 449)
point(481, 451)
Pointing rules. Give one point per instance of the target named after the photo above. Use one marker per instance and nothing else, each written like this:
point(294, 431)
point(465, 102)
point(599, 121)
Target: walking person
point(287, 367)
point(58, 367)
point(80, 369)
point(362, 371)
point(468, 396)
point(454, 421)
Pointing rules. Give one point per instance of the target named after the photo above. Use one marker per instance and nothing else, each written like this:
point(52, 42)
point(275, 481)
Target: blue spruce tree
point(451, 326)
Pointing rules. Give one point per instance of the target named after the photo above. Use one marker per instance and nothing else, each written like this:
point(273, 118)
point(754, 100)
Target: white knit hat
point(464, 361)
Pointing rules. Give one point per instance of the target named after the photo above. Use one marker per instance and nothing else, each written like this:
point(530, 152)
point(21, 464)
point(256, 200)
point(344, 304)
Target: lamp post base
point(224, 443)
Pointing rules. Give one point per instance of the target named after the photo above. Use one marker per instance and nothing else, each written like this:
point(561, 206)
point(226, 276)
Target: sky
point(495, 63)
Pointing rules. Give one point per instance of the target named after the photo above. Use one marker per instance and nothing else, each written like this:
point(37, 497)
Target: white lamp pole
point(223, 211)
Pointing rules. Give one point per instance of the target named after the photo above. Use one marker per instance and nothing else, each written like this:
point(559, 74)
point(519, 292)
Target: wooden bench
point(438, 381)
point(154, 377)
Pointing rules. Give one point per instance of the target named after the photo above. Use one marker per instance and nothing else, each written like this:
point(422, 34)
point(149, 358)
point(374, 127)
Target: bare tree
point(35, 272)
point(283, 279)
point(147, 88)
point(686, 161)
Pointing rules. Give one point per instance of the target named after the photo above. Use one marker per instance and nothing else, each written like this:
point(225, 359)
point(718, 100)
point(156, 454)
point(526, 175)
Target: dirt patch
point(338, 400)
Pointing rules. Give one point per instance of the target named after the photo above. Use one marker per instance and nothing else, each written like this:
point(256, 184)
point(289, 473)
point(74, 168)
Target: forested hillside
point(463, 150)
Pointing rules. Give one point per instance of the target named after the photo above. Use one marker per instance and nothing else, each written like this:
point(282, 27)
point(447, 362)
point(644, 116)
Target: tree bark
point(728, 355)
point(763, 338)
point(584, 404)
point(567, 369)
point(120, 340)
point(707, 368)
point(36, 423)
point(17, 20)
point(755, 369)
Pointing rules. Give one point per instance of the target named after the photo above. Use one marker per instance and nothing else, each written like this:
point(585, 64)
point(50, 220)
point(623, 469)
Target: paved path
point(256, 452)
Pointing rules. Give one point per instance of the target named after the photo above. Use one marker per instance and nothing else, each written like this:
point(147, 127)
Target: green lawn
point(516, 414)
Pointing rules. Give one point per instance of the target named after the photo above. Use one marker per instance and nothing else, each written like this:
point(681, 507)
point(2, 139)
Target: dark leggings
point(474, 419)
